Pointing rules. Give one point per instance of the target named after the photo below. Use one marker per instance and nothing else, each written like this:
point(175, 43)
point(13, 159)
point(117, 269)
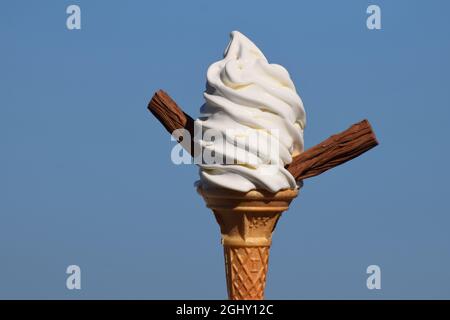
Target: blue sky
point(85, 170)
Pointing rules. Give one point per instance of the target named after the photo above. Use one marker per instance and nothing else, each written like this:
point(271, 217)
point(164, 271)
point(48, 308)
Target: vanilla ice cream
point(254, 106)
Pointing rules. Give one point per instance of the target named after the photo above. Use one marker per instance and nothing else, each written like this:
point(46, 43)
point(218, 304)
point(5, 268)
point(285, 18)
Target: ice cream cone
point(247, 221)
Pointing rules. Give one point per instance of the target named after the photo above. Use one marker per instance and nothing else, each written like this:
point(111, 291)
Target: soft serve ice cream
point(254, 106)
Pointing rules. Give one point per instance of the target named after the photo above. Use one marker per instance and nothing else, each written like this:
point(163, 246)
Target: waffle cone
point(246, 222)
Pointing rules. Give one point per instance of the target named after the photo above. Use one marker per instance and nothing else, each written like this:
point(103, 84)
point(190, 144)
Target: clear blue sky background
point(85, 170)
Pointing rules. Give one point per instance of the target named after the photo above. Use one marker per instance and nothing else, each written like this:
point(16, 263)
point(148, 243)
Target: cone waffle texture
point(247, 221)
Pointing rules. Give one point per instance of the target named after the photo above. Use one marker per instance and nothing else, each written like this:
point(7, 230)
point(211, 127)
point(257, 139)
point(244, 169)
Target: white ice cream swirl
point(247, 94)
